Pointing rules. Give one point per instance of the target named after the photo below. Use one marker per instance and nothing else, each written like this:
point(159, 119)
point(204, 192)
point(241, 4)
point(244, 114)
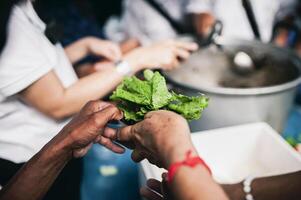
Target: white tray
point(237, 152)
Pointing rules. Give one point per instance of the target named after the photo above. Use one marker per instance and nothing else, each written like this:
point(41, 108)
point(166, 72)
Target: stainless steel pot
point(265, 95)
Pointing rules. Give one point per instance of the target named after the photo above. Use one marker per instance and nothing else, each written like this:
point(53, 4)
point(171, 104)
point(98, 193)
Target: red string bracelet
point(189, 161)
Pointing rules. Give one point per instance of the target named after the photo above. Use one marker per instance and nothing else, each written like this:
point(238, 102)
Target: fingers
point(125, 134)
point(94, 106)
point(109, 144)
point(149, 194)
point(111, 51)
point(129, 144)
point(182, 53)
point(101, 118)
point(116, 52)
point(111, 133)
point(78, 153)
point(189, 46)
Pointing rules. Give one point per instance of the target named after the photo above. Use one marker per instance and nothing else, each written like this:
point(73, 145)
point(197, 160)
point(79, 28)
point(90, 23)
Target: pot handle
point(216, 31)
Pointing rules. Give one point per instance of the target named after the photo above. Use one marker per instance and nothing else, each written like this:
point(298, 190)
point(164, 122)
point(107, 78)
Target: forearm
point(187, 179)
point(36, 177)
point(78, 49)
point(49, 96)
point(92, 87)
point(280, 187)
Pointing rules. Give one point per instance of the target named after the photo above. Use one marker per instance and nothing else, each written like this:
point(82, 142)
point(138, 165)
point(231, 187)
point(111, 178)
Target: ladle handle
point(215, 32)
point(251, 17)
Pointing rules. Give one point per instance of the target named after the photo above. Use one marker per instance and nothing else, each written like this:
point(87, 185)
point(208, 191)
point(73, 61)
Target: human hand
point(203, 23)
point(88, 127)
point(104, 48)
point(163, 137)
point(164, 55)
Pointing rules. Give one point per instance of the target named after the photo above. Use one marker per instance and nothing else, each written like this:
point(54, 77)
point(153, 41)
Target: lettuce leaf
point(137, 97)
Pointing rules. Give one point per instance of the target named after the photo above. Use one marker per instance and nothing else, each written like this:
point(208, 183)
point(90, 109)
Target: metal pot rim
point(246, 92)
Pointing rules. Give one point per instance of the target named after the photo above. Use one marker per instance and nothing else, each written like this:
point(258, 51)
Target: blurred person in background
point(150, 138)
point(39, 89)
point(141, 19)
point(71, 20)
point(287, 30)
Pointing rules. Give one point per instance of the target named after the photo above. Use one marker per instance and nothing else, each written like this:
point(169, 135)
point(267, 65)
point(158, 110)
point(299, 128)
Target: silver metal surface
point(233, 106)
point(228, 110)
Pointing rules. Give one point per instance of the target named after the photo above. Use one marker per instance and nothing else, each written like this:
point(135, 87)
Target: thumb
point(125, 134)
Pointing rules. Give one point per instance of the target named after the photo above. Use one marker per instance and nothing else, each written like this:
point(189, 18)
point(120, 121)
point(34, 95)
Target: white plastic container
point(235, 153)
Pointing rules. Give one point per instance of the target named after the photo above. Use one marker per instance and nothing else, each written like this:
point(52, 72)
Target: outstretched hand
point(163, 137)
point(88, 127)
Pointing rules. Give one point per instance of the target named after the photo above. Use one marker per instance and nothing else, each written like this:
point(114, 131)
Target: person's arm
point(282, 187)
point(203, 23)
point(202, 16)
point(163, 138)
point(129, 45)
point(50, 97)
point(93, 46)
point(36, 177)
point(193, 182)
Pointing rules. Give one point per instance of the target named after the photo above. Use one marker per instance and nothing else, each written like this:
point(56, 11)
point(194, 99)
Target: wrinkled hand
point(88, 128)
point(104, 48)
point(164, 55)
point(163, 137)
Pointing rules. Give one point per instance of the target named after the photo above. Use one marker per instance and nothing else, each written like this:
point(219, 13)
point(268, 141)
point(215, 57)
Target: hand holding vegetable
point(163, 137)
point(87, 127)
point(136, 97)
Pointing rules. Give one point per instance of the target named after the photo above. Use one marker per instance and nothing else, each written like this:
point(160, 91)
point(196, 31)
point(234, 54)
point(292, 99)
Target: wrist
point(177, 152)
point(134, 61)
point(57, 150)
point(60, 146)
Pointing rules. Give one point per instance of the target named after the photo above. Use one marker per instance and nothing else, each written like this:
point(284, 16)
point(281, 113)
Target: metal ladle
point(242, 62)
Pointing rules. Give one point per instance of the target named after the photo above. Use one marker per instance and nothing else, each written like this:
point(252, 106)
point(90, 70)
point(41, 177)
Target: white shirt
point(27, 56)
point(234, 18)
point(141, 21)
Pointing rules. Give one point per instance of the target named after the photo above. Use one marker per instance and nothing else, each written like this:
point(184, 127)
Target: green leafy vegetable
point(137, 97)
